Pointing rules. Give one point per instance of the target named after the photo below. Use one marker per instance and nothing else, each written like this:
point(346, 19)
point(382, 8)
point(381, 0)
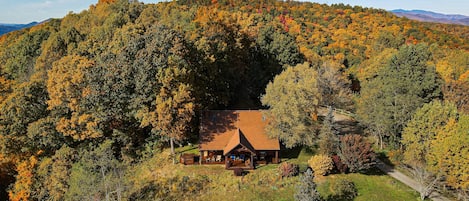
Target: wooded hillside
point(85, 98)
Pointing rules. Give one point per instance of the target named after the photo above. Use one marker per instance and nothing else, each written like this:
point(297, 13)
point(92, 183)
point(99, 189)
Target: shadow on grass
point(294, 153)
point(373, 171)
point(337, 198)
point(382, 156)
point(266, 166)
point(188, 149)
point(290, 153)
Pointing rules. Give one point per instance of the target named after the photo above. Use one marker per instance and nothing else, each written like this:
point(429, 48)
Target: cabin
point(236, 138)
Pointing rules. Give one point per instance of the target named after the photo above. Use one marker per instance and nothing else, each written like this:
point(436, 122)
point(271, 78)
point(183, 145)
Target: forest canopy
point(96, 92)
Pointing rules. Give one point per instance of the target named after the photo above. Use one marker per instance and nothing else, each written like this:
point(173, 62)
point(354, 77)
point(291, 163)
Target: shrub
point(288, 169)
point(338, 165)
point(306, 190)
point(321, 164)
point(343, 190)
point(356, 153)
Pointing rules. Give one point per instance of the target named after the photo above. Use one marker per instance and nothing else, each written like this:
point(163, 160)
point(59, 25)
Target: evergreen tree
point(328, 140)
point(407, 82)
point(306, 191)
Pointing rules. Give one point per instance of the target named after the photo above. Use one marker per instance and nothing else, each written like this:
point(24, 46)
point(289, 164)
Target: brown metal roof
point(218, 127)
point(238, 139)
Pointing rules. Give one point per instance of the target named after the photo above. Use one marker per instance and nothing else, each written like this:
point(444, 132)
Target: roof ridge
point(238, 139)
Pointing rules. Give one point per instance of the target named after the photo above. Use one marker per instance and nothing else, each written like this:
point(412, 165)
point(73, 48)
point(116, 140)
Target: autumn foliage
point(321, 164)
point(356, 152)
point(287, 169)
point(134, 77)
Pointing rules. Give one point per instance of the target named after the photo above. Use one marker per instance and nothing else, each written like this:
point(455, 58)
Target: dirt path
point(407, 180)
point(347, 125)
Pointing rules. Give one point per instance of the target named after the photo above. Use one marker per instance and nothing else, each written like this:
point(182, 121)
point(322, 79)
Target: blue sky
point(25, 11)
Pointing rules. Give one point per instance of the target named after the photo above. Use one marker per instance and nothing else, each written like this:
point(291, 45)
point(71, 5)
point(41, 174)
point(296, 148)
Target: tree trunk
point(171, 141)
point(380, 142)
point(103, 174)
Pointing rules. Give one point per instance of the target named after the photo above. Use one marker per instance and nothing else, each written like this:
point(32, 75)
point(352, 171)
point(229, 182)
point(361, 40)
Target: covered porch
point(268, 157)
point(240, 158)
point(212, 157)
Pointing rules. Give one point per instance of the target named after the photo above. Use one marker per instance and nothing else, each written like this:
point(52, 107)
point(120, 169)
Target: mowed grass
point(265, 183)
point(371, 187)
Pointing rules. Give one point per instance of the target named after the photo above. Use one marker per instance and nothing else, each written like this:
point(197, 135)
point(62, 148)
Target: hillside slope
point(6, 28)
point(427, 16)
point(88, 99)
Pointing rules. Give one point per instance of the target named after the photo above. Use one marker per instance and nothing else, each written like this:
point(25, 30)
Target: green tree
point(43, 135)
point(449, 153)
point(306, 190)
point(97, 175)
point(388, 100)
point(328, 140)
point(158, 48)
point(57, 46)
point(163, 99)
point(26, 105)
point(293, 99)
point(21, 56)
point(387, 39)
point(423, 128)
point(279, 46)
point(52, 175)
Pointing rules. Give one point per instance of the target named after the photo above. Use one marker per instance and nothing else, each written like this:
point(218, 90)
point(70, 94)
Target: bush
point(288, 169)
point(356, 153)
point(343, 190)
point(321, 164)
point(338, 165)
point(306, 190)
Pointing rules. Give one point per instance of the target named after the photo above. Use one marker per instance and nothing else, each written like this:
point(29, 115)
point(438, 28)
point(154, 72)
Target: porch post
point(252, 161)
point(200, 157)
point(276, 157)
point(227, 163)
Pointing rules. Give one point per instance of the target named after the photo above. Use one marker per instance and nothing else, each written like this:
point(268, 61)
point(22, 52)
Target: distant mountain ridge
point(6, 28)
point(428, 16)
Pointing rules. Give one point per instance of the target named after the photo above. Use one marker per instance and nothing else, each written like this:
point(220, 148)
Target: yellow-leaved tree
point(449, 154)
point(293, 98)
point(21, 190)
point(67, 88)
point(174, 106)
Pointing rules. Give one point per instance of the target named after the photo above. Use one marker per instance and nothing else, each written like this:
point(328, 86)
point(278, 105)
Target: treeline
point(85, 98)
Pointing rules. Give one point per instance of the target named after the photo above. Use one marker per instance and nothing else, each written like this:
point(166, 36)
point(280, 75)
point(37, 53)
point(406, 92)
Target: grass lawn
point(264, 183)
point(377, 187)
